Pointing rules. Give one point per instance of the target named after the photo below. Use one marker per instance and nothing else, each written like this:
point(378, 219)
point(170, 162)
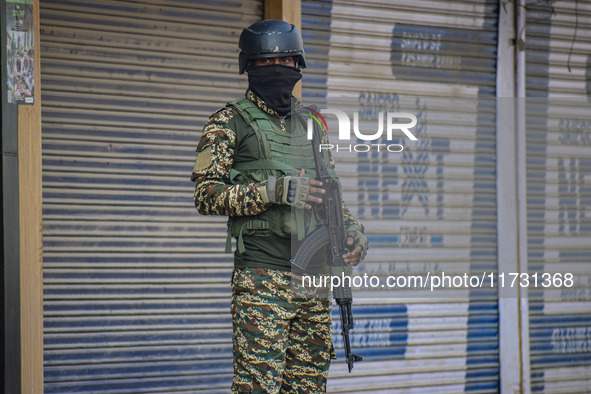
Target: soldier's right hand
point(297, 191)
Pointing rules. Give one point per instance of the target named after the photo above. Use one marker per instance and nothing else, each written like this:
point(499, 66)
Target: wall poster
point(20, 48)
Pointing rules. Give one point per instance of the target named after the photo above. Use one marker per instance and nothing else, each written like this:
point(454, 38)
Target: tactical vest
point(281, 153)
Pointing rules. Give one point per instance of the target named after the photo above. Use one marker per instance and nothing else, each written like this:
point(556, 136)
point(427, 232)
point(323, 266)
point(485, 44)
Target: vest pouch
point(285, 221)
point(279, 217)
point(238, 226)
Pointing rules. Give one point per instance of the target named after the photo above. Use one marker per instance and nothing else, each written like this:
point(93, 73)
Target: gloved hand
point(289, 190)
point(296, 191)
point(358, 239)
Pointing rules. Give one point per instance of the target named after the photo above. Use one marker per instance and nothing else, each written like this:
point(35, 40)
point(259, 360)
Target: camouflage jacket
point(214, 192)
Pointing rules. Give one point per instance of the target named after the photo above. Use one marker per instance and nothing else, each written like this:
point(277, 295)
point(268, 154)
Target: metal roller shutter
point(136, 294)
point(432, 208)
point(558, 77)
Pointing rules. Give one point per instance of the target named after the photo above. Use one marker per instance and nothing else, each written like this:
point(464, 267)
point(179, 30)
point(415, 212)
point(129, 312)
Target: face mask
point(274, 85)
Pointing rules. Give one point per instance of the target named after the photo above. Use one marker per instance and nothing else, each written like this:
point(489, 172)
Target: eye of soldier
point(285, 60)
point(288, 60)
point(263, 62)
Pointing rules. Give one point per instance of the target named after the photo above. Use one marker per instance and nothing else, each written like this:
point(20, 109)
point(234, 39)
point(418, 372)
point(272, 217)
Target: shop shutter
point(136, 284)
point(432, 208)
point(558, 77)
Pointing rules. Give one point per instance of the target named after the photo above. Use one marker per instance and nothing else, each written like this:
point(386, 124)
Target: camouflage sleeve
point(356, 230)
point(351, 222)
point(214, 192)
point(325, 141)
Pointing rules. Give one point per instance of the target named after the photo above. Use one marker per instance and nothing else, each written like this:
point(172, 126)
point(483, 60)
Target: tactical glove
point(289, 190)
point(360, 239)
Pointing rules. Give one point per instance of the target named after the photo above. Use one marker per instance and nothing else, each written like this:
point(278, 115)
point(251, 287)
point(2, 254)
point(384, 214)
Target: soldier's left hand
point(353, 257)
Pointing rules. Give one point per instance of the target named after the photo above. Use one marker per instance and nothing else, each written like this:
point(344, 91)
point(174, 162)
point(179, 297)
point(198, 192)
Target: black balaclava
point(274, 84)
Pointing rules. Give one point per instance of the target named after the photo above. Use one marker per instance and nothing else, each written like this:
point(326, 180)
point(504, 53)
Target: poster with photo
point(20, 48)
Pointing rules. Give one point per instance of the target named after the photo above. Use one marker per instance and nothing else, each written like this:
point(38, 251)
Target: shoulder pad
point(222, 115)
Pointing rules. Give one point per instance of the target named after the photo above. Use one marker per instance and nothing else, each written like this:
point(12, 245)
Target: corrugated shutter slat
point(435, 59)
point(136, 294)
point(558, 43)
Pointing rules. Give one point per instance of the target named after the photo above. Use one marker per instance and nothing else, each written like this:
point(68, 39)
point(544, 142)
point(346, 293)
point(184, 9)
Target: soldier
point(246, 161)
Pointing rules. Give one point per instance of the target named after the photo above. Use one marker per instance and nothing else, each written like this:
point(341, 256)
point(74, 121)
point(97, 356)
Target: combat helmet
point(270, 38)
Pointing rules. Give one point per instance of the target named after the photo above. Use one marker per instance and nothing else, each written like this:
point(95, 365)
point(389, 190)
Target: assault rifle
point(330, 236)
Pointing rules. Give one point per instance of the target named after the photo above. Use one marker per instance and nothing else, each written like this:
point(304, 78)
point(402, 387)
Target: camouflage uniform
point(282, 343)
point(214, 194)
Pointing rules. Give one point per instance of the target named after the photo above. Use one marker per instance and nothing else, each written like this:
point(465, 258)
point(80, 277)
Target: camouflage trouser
point(282, 343)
